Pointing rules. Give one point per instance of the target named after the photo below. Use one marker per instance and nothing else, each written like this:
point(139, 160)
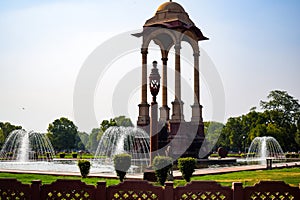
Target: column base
point(197, 114)
point(144, 118)
point(164, 113)
point(177, 107)
point(186, 140)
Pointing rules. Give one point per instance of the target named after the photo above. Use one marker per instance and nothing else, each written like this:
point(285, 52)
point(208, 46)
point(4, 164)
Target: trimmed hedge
point(292, 155)
point(187, 167)
point(122, 163)
point(74, 155)
point(62, 155)
point(84, 166)
point(162, 166)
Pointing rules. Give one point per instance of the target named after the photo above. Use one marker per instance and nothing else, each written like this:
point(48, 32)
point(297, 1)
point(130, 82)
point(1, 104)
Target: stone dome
point(170, 7)
point(168, 12)
point(171, 15)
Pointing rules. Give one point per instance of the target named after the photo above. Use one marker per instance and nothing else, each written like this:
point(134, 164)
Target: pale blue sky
point(254, 45)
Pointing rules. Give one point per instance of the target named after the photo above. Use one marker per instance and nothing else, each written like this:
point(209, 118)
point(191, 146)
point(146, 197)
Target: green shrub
point(84, 166)
point(292, 155)
point(74, 155)
point(162, 165)
point(187, 167)
point(122, 163)
point(62, 155)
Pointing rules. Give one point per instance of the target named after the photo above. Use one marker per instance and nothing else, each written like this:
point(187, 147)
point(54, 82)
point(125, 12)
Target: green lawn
point(289, 175)
point(46, 179)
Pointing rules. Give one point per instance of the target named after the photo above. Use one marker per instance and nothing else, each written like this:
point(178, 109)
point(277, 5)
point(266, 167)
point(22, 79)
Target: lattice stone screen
point(203, 190)
point(271, 190)
point(68, 189)
point(135, 190)
point(13, 189)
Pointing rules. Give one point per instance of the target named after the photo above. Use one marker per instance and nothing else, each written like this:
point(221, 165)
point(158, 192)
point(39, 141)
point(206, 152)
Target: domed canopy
point(170, 6)
point(172, 15)
point(169, 12)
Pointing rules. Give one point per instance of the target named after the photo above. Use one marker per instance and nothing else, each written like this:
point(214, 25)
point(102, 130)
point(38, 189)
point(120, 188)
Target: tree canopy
point(63, 133)
point(96, 133)
point(285, 106)
point(5, 129)
point(279, 118)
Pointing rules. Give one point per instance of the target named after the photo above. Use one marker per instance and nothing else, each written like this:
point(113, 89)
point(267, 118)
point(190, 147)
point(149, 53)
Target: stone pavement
point(176, 174)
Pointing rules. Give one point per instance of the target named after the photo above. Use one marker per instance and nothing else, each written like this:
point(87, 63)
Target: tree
point(78, 143)
point(117, 121)
point(93, 140)
point(62, 133)
point(2, 138)
point(297, 136)
point(105, 124)
point(7, 128)
point(281, 102)
point(279, 119)
point(283, 113)
point(123, 121)
point(213, 131)
point(84, 137)
point(233, 130)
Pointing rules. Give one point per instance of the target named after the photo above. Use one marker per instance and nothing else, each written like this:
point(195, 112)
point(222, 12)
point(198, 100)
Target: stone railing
point(142, 190)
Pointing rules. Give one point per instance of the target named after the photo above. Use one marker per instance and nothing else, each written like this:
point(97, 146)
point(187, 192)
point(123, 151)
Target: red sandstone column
point(153, 132)
point(177, 73)
point(144, 118)
point(196, 78)
point(177, 115)
point(164, 110)
point(144, 75)
point(196, 107)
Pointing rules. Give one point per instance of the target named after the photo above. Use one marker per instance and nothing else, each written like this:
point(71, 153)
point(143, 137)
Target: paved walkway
point(177, 174)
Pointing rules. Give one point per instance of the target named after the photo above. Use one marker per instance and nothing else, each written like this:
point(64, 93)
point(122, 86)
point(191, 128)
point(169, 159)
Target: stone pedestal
point(164, 113)
point(186, 139)
point(177, 115)
point(196, 113)
point(143, 119)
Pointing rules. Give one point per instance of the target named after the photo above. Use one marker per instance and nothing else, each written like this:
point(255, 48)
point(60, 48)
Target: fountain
point(263, 148)
point(28, 151)
point(116, 140)
point(23, 146)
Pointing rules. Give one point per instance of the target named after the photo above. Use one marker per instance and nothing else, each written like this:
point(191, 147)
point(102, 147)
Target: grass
point(288, 175)
point(47, 179)
point(69, 156)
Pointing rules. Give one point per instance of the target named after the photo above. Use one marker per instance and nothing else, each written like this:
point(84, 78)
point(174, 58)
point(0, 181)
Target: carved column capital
point(144, 50)
point(165, 60)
